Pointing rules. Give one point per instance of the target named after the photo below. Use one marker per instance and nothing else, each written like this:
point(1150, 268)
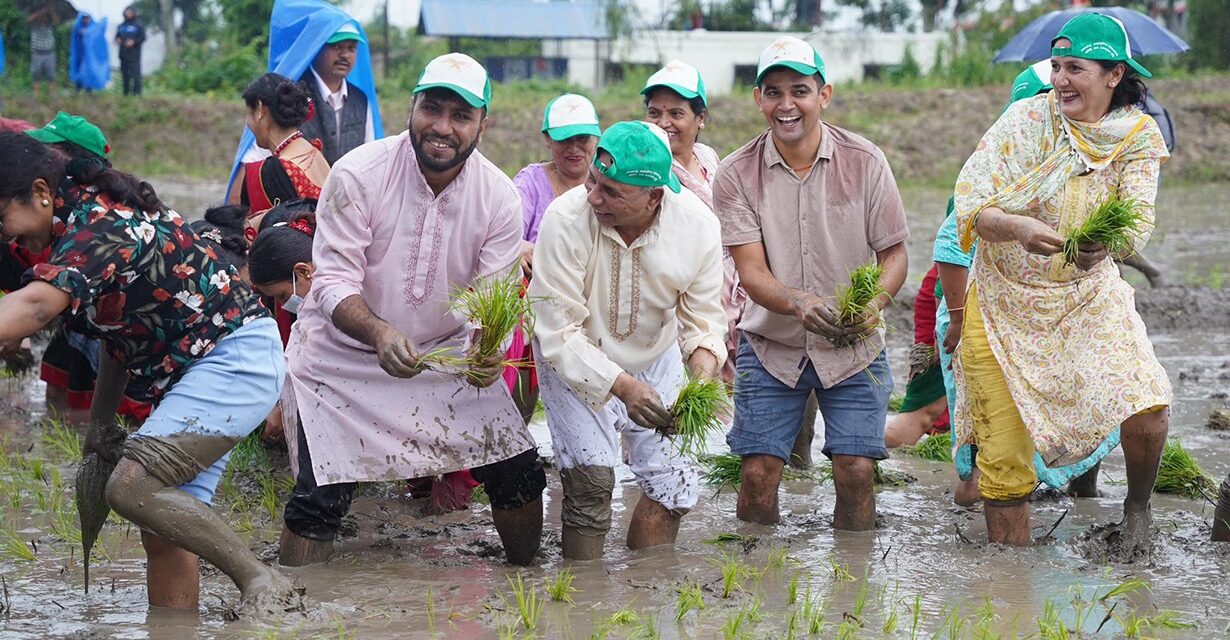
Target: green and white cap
point(791, 53)
point(1032, 81)
point(460, 74)
point(348, 31)
point(1095, 36)
point(640, 155)
point(680, 77)
point(570, 115)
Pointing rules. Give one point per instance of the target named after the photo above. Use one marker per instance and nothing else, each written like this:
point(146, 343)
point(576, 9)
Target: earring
point(45, 202)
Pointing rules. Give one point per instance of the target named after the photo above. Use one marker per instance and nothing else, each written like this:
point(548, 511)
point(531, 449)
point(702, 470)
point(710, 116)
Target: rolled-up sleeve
point(558, 290)
point(343, 233)
point(740, 223)
point(702, 321)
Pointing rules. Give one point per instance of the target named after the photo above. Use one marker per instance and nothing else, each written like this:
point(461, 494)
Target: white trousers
point(582, 437)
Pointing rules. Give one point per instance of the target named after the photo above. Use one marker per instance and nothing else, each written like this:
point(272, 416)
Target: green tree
point(882, 15)
point(1209, 22)
point(247, 21)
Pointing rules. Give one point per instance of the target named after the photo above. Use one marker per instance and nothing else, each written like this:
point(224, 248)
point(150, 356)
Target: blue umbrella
point(1146, 36)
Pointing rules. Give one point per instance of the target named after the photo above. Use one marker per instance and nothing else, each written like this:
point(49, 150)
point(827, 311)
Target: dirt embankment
point(926, 134)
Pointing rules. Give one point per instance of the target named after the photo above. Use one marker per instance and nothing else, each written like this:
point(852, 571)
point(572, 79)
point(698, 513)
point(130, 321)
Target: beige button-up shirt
point(605, 307)
point(816, 230)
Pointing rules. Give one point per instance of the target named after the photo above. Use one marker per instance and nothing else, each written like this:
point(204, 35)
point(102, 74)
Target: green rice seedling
point(916, 617)
point(250, 454)
point(529, 607)
point(60, 440)
point(854, 299)
point(431, 613)
point(1180, 474)
point(15, 547)
point(792, 590)
point(624, 617)
point(840, 572)
point(1127, 587)
point(954, 624)
point(499, 307)
point(813, 614)
point(848, 627)
point(560, 587)
point(732, 629)
point(895, 401)
point(734, 572)
point(936, 448)
point(860, 600)
point(271, 487)
point(646, 628)
point(689, 597)
point(891, 620)
point(776, 561)
point(64, 525)
point(723, 469)
point(480, 496)
point(697, 413)
point(890, 478)
point(792, 623)
point(1050, 625)
point(727, 538)
point(1113, 224)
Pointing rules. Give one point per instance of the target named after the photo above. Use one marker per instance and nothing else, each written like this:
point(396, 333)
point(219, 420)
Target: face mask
point(295, 301)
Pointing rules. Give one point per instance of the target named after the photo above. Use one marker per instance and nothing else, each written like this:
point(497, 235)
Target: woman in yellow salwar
point(1054, 357)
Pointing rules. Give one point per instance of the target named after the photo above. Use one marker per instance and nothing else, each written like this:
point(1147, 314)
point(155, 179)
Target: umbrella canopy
point(1145, 36)
point(48, 11)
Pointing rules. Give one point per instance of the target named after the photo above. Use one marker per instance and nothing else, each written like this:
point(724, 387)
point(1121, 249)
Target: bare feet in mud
point(1135, 538)
point(268, 595)
point(1127, 542)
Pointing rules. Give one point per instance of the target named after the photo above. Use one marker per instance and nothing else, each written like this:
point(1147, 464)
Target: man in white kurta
point(627, 284)
point(402, 222)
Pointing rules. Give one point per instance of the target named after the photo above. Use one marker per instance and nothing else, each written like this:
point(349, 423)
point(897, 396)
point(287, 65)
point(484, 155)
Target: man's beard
point(432, 164)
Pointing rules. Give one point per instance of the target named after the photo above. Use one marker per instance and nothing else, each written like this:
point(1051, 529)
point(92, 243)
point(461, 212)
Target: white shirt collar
point(335, 99)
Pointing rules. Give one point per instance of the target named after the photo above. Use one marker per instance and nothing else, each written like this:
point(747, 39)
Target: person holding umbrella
point(1034, 324)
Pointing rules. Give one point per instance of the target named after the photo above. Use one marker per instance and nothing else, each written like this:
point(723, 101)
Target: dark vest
point(336, 142)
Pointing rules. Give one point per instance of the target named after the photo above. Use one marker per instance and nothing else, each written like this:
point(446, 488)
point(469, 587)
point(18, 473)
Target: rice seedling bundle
point(1180, 474)
point(1112, 225)
point(499, 307)
point(697, 412)
point(725, 469)
point(936, 448)
point(854, 299)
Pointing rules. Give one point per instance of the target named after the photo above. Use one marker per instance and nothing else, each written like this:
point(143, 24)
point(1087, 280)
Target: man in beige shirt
point(627, 278)
point(815, 202)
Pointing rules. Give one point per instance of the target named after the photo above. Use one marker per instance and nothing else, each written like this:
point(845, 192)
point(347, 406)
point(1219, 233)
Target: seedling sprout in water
point(1113, 224)
point(697, 413)
point(1180, 474)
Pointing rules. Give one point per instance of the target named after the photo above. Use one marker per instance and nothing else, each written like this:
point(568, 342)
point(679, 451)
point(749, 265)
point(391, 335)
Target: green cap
point(459, 73)
point(74, 129)
point(1095, 36)
point(570, 115)
point(640, 155)
point(1032, 81)
point(791, 53)
point(347, 31)
point(680, 77)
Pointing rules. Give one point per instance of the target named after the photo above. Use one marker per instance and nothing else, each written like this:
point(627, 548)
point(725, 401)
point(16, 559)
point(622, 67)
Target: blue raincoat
point(297, 32)
point(89, 54)
point(1, 54)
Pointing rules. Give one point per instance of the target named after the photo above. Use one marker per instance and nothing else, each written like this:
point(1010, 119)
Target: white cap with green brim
point(347, 31)
point(680, 77)
point(1032, 81)
point(460, 74)
point(791, 53)
point(570, 115)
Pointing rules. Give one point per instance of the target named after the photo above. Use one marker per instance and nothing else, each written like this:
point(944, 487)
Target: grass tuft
point(698, 412)
point(560, 587)
point(529, 607)
point(1113, 224)
point(1180, 474)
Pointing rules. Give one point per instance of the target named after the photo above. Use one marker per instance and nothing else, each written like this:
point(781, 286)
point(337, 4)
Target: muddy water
point(383, 578)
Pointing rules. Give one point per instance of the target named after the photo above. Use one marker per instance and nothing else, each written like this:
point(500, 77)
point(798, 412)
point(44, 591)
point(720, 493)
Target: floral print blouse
point(150, 289)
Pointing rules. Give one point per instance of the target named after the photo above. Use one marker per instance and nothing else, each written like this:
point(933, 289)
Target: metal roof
point(514, 19)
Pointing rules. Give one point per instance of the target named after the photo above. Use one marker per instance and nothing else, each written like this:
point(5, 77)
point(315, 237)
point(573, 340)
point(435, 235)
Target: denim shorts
point(228, 392)
point(767, 411)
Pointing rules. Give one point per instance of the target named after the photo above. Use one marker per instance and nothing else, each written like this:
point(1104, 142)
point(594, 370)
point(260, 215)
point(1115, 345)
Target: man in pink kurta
point(402, 222)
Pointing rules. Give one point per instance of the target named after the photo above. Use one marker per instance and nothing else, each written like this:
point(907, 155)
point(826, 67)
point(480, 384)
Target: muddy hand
point(864, 324)
point(818, 318)
point(1037, 237)
point(643, 404)
point(484, 372)
point(397, 356)
point(106, 439)
point(1090, 255)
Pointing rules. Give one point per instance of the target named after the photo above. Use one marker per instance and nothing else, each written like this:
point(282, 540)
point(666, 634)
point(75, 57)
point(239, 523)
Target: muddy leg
point(520, 531)
point(1008, 522)
point(1143, 436)
point(1221, 515)
point(156, 505)
point(759, 479)
point(652, 525)
point(295, 550)
point(966, 493)
point(172, 578)
point(525, 399)
point(1086, 484)
point(313, 514)
point(586, 510)
point(854, 477)
point(1139, 262)
point(800, 455)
